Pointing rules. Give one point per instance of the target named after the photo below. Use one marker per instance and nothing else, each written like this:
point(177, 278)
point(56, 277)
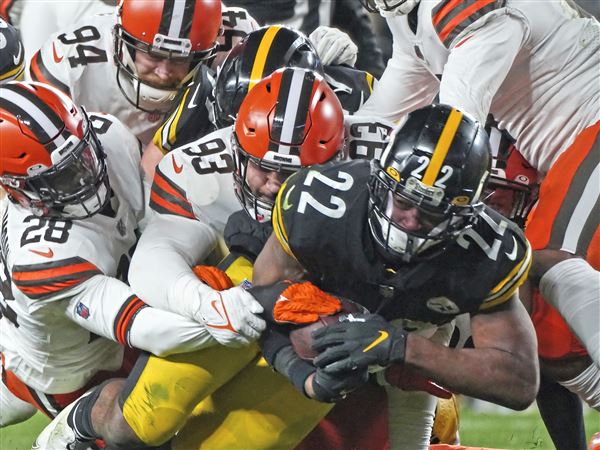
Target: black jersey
point(320, 218)
point(193, 117)
point(351, 86)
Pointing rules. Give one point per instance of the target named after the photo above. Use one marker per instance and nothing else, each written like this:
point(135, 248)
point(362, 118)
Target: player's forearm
point(107, 307)
point(403, 87)
point(508, 379)
point(163, 333)
point(160, 271)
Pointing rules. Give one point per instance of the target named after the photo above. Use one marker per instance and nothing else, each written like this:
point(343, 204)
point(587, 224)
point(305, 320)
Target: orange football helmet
point(513, 186)
point(289, 120)
point(51, 161)
point(182, 30)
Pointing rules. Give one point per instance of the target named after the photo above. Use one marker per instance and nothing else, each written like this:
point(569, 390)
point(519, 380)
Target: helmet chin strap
point(400, 10)
point(90, 205)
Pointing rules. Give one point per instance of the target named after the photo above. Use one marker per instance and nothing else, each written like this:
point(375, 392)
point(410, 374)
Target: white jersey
point(193, 195)
point(79, 61)
point(38, 20)
point(533, 65)
point(55, 276)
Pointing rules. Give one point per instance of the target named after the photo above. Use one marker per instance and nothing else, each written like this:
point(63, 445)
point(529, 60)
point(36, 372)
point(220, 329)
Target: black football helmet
point(258, 55)
point(436, 165)
point(12, 54)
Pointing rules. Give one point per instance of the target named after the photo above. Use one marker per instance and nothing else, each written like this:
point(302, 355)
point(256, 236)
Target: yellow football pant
point(257, 409)
point(244, 403)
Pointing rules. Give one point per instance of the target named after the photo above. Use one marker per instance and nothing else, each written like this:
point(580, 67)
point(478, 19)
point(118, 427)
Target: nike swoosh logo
point(226, 322)
point(17, 57)
point(513, 254)
point(47, 254)
point(286, 204)
point(176, 168)
point(192, 103)
point(57, 59)
point(383, 335)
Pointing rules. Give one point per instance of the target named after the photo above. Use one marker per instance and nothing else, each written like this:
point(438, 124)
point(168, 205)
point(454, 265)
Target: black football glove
point(361, 341)
point(331, 388)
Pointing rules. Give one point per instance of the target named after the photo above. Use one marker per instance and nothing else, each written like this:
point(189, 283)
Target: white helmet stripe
point(41, 119)
point(291, 110)
point(177, 18)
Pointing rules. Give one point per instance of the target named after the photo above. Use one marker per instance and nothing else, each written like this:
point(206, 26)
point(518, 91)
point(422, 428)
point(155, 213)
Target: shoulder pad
point(450, 18)
point(513, 259)
point(185, 176)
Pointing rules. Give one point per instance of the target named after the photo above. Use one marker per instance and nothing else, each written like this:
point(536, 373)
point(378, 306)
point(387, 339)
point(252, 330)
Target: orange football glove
point(214, 277)
point(303, 303)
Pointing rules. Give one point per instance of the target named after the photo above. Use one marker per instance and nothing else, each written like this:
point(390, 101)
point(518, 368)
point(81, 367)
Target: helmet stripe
point(292, 107)
point(35, 114)
point(176, 20)
point(442, 147)
point(262, 52)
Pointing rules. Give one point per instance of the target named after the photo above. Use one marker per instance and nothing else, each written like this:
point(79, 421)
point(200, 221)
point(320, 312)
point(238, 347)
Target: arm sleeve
point(405, 85)
point(160, 270)
point(107, 307)
point(476, 69)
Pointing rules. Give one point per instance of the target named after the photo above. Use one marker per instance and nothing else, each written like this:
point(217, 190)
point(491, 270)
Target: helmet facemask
point(441, 222)
point(256, 205)
point(142, 94)
point(512, 199)
point(75, 186)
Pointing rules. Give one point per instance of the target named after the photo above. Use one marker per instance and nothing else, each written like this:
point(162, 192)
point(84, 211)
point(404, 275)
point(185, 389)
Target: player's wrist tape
point(325, 395)
point(271, 342)
point(295, 369)
point(398, 348)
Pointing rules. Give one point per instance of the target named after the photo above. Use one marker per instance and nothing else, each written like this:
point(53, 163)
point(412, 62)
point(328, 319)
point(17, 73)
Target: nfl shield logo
point(82, 310)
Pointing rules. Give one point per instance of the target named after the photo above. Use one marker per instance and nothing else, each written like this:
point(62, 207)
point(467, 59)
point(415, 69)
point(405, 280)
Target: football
point(301, 337)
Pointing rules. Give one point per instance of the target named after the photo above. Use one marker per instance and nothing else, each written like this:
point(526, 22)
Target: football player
point(289, 120)
point(513, 191)
point(67, 233)
point(423, 249)
point(12, 59)
point(518, 60)
point(135, 63)
point(259, 54)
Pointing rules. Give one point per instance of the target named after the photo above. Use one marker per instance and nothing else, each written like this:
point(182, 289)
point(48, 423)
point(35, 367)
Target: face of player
point(264, 184)
point(412, 218)
point(501, 200)
point(161, 72)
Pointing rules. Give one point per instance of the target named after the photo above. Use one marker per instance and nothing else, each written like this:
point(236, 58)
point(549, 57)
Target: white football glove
point(333, 46)
point(230, 316)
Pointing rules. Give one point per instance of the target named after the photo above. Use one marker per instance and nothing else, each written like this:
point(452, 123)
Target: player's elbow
point(523, 387)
